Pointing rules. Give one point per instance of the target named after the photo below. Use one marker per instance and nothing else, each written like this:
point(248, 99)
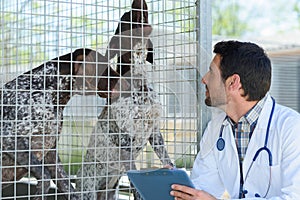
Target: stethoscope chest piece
point(220, 144)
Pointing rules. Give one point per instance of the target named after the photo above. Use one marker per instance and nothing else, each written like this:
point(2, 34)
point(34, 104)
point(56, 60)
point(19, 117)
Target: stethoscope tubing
point(221, 142)
point(221, 145)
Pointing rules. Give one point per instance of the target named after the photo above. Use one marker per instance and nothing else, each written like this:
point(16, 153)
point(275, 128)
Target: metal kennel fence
point(33, 32)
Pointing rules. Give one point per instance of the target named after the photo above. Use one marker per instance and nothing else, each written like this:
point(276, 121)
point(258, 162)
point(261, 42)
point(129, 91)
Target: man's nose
point(203, 79)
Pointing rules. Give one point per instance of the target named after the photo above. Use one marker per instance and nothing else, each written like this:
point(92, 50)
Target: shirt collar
point(252, 115)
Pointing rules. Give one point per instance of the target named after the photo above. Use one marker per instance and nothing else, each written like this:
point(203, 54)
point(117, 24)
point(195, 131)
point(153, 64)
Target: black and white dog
point(127, 123)
point(32, 113)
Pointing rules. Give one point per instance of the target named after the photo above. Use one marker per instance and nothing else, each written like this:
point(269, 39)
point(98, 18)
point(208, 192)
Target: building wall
point(285, 86)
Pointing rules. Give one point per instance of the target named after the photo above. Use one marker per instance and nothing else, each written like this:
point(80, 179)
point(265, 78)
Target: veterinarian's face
point(215, 90)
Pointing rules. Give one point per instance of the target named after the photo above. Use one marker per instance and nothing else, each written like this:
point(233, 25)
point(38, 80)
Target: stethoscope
point(221, 145)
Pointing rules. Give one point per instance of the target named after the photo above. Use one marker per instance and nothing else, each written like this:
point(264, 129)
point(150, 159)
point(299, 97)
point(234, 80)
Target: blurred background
point(184, 32)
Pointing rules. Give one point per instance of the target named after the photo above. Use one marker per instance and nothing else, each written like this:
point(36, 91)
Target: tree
point(14, 33)
point(296, 8)
point(226, 21)
point(31, 35)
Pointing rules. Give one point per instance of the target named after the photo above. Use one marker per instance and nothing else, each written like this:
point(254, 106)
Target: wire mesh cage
point(91, 89)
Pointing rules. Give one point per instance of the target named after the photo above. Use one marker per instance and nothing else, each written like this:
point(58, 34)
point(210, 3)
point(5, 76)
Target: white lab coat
point(217, 172)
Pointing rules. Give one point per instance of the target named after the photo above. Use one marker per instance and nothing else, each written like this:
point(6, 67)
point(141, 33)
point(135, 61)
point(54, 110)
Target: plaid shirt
point(243, 131)
point(244, 128)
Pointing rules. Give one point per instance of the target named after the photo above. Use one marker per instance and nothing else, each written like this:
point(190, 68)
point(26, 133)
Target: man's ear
point(233, 82)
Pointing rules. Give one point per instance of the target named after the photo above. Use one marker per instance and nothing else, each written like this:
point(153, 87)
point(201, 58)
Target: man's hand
point(181, 192)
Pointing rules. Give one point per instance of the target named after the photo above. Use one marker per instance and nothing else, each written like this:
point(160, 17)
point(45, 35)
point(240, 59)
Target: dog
point(32, 114)
point(127, 123)
point(132, 28)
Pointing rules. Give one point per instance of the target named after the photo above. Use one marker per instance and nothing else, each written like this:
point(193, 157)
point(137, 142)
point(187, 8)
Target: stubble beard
point(208, 101)
point(217, 103)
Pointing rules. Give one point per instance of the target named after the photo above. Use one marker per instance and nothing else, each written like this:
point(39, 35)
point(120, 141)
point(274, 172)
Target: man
point(252, 149)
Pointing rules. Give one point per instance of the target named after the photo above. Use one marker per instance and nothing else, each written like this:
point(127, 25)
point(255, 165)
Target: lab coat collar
point(208, 140)
point(229, 172)
point(259, 133)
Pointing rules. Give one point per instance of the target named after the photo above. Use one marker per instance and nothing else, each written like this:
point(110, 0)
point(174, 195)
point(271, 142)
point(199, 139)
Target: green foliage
point(186, 161)
point(225, 17)
point(28, 39)
point(90, 27)
point(296, 8)
point(186, 17)
point(12, 50)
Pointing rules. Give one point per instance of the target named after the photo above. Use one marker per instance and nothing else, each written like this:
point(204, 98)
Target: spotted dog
point(32, 113)
point(127, 123)
point(131, 29)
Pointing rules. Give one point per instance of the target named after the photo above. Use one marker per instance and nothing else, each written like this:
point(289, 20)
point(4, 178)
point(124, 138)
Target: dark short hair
point(250, 62)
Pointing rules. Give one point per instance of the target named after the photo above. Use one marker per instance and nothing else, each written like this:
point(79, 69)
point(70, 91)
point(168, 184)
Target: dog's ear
point(93, 74)
point(80, 51)
point(89, 58)
point(124, 24)
point(131, 28)
point(64, 57)
point(123, 29)
point(88, 67)
point(67, 62)
point(64, 63)
point(113, 47)
point(139, 11)
point(87, 62)
point(78, 58)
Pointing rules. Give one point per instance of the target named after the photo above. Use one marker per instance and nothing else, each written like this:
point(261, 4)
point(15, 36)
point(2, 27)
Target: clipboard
point(156, 183)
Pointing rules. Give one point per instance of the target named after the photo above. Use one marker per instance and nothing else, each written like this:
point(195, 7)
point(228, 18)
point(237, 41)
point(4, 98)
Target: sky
point(269, 17)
